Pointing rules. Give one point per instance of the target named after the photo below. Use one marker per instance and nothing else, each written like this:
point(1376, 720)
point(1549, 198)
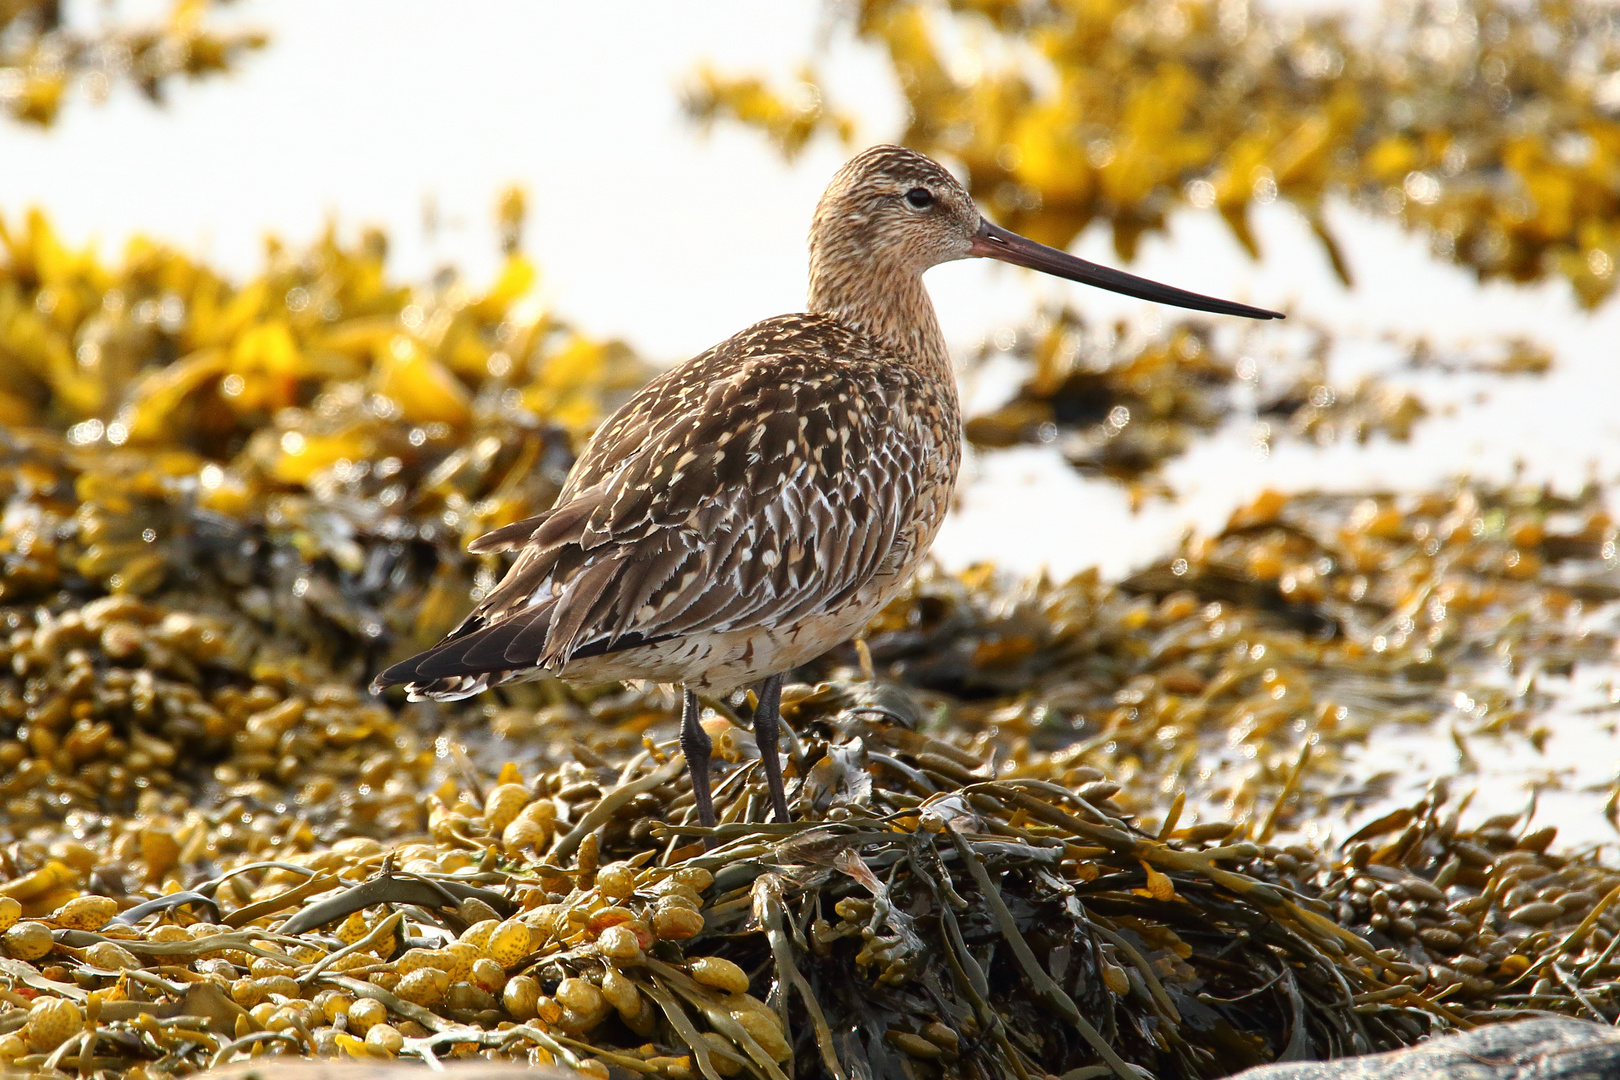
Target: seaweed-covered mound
point(922, 916)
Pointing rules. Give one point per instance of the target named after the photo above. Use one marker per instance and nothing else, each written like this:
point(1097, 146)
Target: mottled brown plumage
point(758, 504)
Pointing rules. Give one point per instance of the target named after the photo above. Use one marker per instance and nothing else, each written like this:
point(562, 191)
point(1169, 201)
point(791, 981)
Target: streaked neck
point(892, 307)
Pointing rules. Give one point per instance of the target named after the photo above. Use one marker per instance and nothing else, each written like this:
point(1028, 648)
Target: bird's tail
point(457, 687)
point(472, 658)
point(436, 685)
point(450, 689)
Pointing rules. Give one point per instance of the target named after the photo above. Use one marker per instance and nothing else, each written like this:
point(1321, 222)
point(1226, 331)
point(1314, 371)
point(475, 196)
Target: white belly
point(718, 663)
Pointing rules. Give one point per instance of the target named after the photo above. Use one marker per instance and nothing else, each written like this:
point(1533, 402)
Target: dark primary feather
point(762, 481)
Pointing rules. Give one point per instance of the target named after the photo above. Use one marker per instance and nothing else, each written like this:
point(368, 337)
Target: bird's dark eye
point(920, 198)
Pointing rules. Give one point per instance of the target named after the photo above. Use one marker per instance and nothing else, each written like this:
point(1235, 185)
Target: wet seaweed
point(1119, 403)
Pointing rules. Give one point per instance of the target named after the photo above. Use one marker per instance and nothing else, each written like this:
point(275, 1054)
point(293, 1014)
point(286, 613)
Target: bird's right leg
point(767, 733)
point(696, 745)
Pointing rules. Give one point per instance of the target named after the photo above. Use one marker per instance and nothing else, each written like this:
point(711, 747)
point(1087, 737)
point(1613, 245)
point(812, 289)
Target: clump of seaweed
point(1119, 404)
point(43, 55)
point(310, 450)
point(1113, 405)
point(112, 707)
point(1483, 916)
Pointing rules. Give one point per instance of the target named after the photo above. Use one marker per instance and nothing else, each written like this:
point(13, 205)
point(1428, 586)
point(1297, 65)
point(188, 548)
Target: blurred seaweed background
point(42, 58)
point(226, 500)
point(1489, 127)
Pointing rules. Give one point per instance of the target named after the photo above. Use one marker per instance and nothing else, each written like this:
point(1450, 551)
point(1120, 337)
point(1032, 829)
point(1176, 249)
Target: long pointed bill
point(994, 242)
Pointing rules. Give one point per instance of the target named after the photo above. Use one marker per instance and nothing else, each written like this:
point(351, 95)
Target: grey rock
point(1537, 1048)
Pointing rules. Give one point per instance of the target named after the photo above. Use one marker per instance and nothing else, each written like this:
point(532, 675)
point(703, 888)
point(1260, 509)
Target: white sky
point(361, 110)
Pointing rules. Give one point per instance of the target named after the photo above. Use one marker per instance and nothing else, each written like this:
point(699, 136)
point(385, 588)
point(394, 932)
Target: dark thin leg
point(696, 744)
point(767, 728)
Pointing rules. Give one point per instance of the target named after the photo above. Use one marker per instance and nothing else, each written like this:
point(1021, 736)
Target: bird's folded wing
point(759, 492)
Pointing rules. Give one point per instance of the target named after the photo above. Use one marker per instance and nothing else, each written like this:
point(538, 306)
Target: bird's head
point(893, 211)
point(895, 207)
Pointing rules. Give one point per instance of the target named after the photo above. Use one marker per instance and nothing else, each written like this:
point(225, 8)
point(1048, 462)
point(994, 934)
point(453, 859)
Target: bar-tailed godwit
point(755, 506)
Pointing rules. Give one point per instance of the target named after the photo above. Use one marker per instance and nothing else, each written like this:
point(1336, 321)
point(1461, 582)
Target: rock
point(1540, 1048)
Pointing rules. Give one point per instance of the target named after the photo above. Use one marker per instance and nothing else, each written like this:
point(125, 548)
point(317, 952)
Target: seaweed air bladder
point(757, 505)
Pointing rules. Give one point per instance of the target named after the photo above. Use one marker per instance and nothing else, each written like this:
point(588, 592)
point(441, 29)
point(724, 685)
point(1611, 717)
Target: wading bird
point(755, 506)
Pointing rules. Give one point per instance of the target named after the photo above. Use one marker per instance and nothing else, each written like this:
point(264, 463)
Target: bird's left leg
point(696, 745)
point(767, 730)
